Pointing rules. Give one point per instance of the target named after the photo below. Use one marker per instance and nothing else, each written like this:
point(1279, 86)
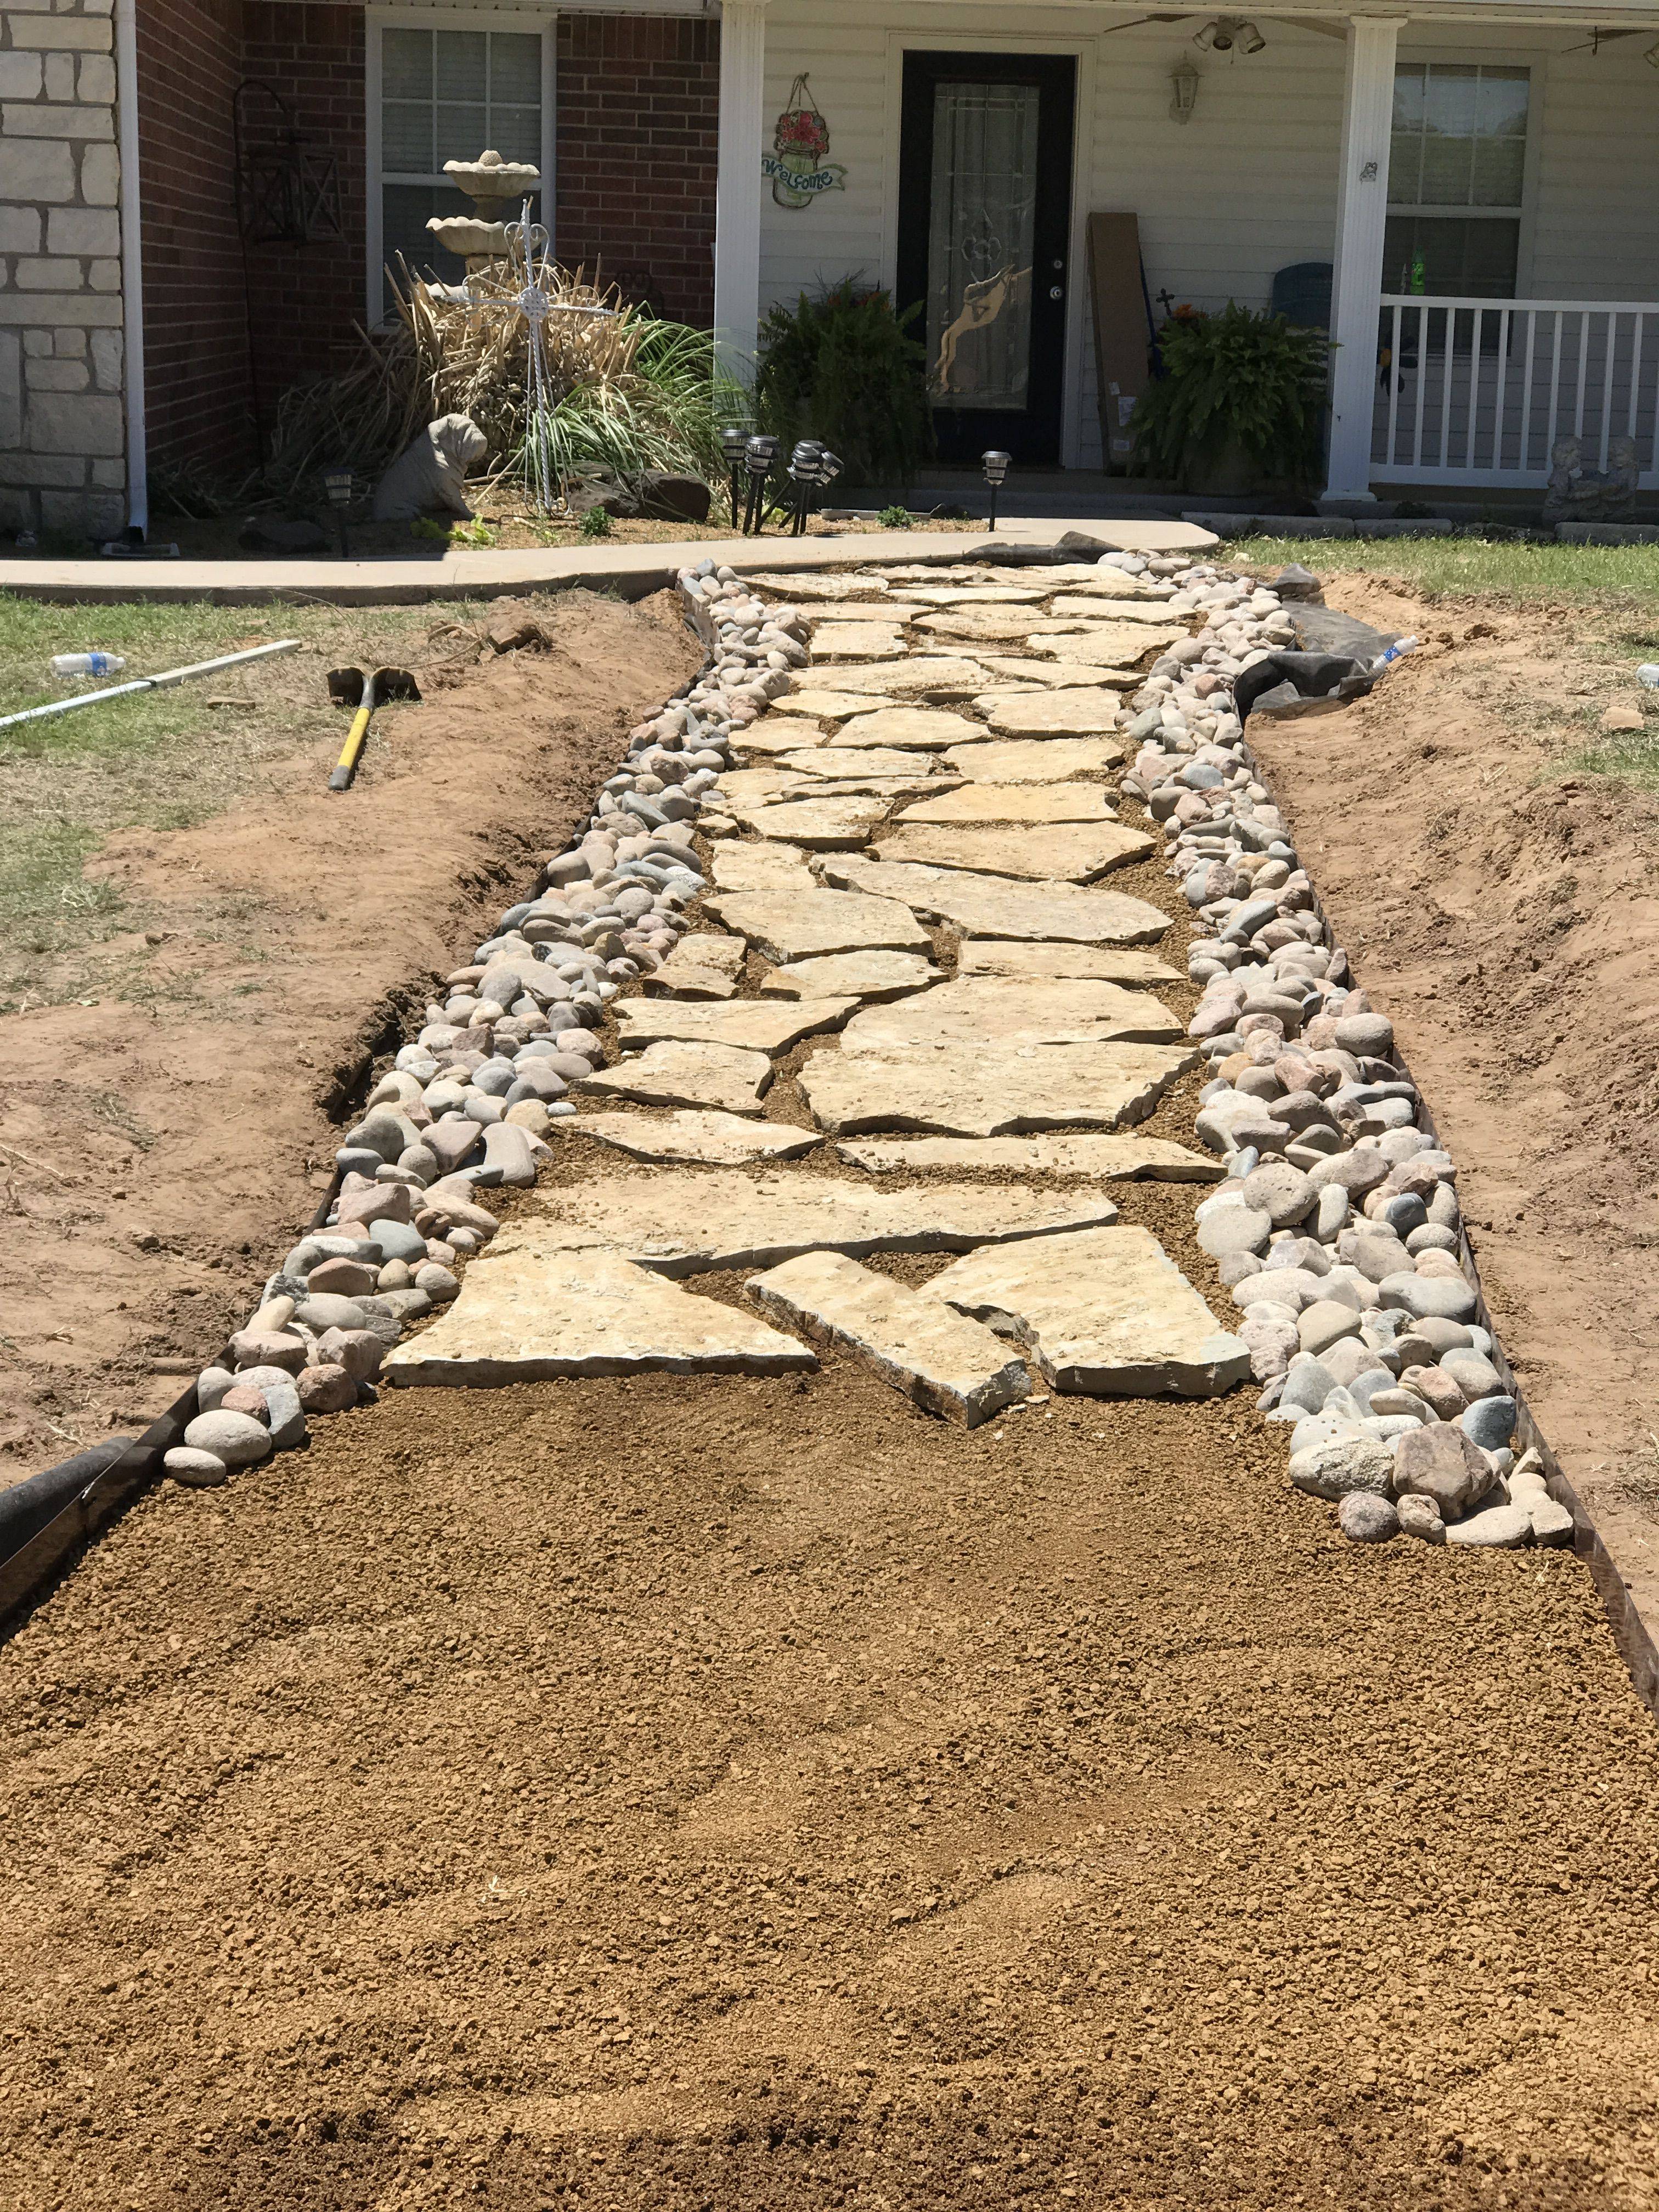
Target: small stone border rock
point(1338, 1230)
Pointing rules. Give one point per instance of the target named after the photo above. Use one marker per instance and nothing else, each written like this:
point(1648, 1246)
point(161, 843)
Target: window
point(445, 95)
point(1457, 172)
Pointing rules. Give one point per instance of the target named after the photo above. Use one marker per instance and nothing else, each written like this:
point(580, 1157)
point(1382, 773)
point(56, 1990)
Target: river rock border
point(1338, 1231)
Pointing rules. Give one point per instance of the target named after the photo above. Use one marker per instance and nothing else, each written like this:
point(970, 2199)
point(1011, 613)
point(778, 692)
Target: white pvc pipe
point(163, 682)
point(132, 267)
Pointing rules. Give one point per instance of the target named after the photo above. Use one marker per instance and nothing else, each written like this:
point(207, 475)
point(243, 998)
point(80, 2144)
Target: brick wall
point(309, 298)
point(62, 435)
point(196, 349)
point(207, 386)
point(638, 127)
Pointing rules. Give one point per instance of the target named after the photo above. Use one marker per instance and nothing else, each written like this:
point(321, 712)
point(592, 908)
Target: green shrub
point(596, 523)
point(1242, 379)
point(894, 517)
point(842, 366)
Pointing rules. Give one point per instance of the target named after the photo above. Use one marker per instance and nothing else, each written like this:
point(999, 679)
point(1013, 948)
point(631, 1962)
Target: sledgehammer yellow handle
point(346, 767)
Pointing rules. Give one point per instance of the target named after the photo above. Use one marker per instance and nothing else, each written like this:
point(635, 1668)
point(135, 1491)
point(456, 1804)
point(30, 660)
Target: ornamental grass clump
point(629, 391)
point(1241, 384)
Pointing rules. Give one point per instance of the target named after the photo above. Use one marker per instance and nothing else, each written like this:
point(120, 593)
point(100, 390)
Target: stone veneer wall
point(62, 439)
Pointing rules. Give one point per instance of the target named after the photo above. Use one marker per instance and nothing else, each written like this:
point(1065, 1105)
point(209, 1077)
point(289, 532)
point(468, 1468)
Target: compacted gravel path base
point(699, 1792)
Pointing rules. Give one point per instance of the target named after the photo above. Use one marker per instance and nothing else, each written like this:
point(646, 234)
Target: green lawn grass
point(1619, 580)
point(159, 760)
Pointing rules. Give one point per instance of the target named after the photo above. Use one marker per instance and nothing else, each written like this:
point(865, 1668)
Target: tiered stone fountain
point(497, 189)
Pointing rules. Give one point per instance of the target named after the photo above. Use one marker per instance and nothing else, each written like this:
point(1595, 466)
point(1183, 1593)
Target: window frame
point(541, 20)
point(1534, 61)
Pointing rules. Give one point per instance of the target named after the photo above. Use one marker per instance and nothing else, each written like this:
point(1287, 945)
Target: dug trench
point(157, 1154)
point(1504, 911)
point(681, 1792)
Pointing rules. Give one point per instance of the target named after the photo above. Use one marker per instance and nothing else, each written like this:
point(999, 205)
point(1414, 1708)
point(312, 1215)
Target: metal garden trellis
point(527, 243)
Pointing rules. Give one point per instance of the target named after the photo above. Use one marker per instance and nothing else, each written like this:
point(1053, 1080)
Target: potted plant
point(1238, 403)
point(842, 366)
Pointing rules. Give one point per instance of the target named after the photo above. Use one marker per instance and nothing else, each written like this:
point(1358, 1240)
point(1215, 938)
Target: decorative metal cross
point(529, 242)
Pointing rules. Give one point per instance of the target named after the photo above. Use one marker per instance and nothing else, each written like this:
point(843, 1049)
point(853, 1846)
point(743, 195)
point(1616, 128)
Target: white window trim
point(1534, 61)
point(540, 18)
point(1083, 52)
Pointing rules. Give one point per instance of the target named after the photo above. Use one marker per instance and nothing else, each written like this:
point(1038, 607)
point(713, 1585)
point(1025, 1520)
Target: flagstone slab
point(1148, 613)
point(1062, 852)
point(1014, 676)
point(1105, 1314)
point(765, 738)
point(999, 906)
point(1127, 643)
point(1038, 713)
point(755, 787)
point(1104, 964)
point(814, 585)
point(726, 1140)
point(689, 1221)
point(1003, 1011)
point(791, 925)
point(847, 640)
point(1015, 802)
point(533, 1317)
point(819, 705)
point(936, 676)
point(720, 1075)
point(870, 976)
point(762, 866)
point(1034, 760)
point(963, 595)
point(821, 826)
point(936, 1356)
point(1109, 584)
point(844, 760)
point(752, 1024)
point(988, 1089)
point(920, 729)
point(1100, 1158)
point(703, 966)
point(990, 623)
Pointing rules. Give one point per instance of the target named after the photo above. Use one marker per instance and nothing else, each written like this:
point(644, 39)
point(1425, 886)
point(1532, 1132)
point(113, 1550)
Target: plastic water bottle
point(1648, 674)
point(87, 663)
point(1391, 653)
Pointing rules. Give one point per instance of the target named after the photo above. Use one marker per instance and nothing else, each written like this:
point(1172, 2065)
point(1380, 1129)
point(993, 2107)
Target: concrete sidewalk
point(629, 570)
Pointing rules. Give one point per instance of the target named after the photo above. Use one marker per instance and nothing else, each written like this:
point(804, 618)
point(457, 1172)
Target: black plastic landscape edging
point(47, 1516)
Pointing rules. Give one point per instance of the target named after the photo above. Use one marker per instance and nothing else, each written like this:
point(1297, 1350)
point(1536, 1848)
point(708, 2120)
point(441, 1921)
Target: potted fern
point(842, 367)
point(1238, 406)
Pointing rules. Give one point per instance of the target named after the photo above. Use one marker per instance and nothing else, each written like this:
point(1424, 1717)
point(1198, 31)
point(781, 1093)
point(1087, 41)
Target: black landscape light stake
point(804, 474)
point(732, 443)
point(337, 483)
point(996, 466)
point(758, 456)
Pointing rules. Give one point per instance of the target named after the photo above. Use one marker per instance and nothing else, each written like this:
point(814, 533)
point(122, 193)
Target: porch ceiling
point(1580, 14)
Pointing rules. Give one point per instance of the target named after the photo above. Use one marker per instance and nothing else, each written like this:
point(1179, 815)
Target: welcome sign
point(796, 166)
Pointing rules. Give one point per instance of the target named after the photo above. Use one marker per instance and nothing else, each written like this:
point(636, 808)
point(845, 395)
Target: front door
point(985, 211)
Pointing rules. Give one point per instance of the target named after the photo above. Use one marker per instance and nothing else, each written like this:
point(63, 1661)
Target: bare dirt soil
point(1505, 913)
point(702, 1794)
point(158, 1153)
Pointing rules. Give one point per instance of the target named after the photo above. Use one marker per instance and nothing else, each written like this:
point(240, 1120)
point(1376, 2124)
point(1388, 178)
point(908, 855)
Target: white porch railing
point(1477, 392)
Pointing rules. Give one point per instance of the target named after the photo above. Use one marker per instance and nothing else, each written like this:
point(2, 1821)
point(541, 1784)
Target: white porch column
point(1362, 209)
point(738, 182)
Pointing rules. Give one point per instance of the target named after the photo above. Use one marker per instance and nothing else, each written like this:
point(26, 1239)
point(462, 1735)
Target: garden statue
point(429, 476)
point(1576, 494)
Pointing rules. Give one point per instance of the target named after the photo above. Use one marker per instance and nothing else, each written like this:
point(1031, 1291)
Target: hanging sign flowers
point(797, 167)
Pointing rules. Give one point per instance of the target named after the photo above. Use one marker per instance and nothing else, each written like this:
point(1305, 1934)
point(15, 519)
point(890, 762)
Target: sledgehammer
point(348, 687)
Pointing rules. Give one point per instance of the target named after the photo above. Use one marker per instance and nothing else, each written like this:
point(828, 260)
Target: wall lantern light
point(1183, 89)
